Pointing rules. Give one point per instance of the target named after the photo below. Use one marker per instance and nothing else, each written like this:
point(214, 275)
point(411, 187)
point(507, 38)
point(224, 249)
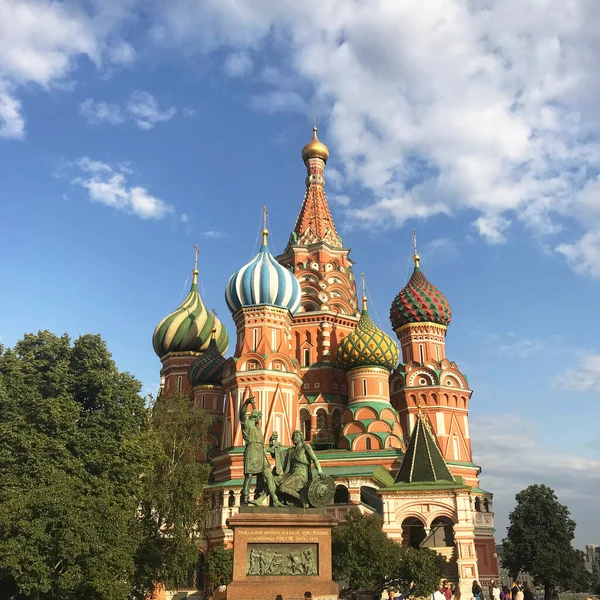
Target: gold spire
point(265, 231)
point(195, 271)
point(416, 256)
point(364, 295)
point(315, 148)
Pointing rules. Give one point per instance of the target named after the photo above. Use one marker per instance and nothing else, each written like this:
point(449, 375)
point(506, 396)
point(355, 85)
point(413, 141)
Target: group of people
point(518, 591)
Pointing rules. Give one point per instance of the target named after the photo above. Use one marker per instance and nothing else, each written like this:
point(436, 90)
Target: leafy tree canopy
point(170, 511)
point(73, 443)
point(539, 542)
point(365, 558)
point(219, 565)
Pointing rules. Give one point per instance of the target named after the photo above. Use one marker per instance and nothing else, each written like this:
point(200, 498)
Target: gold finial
point(364, 295)
point(265, 231)
point(195, 271)
point(213, 333)
point(416, 256)
point(420, 413)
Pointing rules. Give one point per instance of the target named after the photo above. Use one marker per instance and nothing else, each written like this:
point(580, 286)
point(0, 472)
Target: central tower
point(316, 255)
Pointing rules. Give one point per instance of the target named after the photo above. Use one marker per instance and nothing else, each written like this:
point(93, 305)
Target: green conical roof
point(423, 461)
point(189, 327)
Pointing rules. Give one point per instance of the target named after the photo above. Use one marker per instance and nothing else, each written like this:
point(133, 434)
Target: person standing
point(476, 589)
point(494, 590)
point(438, 594)
point(527, 592)
point(505, 593)
point(446, 589)
point(519, 595)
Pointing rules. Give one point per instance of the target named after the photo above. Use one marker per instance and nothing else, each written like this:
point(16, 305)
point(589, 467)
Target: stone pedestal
point(283, 551)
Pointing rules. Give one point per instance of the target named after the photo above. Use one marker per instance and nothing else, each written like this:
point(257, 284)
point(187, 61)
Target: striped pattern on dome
point(366, 346)
point(263, 281)
point(189, 327)
point(419, 302)
point(208, 368)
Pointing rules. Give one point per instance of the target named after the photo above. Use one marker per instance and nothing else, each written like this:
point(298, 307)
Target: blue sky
point(130, 131)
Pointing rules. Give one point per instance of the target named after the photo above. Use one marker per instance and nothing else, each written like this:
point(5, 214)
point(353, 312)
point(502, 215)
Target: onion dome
point(263, 281)
point(208, 368)
point(315, 148)
point(367, 346)
point(419, 301)
point(188, 328)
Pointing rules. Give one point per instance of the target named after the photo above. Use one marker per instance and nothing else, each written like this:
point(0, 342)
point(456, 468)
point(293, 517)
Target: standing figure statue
point(255, 458)
point(298, 468)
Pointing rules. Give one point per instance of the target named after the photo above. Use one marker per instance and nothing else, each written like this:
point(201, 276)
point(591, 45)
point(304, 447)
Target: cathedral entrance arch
point(441, 533)
point(413, 532)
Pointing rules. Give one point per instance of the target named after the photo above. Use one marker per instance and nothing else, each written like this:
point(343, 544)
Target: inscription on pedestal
point(282, 559)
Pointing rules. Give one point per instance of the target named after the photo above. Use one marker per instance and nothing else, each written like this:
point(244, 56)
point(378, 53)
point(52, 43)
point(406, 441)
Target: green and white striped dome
point(189, 327)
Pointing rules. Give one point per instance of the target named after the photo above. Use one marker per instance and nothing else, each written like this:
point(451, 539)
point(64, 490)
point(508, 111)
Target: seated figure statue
point(297, 470)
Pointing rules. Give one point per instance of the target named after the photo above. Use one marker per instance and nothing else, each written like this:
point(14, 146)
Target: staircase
point(449, 554)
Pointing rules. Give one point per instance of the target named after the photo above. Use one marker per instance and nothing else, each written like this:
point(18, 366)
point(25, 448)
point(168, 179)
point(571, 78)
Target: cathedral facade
point(388, 421)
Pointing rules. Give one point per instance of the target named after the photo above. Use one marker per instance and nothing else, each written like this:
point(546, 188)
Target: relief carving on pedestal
point(282, 559)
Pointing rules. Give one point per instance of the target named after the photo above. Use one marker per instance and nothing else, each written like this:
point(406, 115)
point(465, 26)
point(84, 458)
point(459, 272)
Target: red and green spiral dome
point(419, 301)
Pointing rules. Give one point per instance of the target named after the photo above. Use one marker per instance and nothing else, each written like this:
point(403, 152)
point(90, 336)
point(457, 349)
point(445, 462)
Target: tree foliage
point(539, 542)
point(73, 443)
point(219, 565)
point(170, 511)
point(365, 558)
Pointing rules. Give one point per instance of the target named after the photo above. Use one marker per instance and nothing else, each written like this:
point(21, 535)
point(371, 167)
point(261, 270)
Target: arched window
point(364, 387)
point(305, 422)
point(368, 443)
point(307, 357)
point(179, 383)
point(477, 504)
point(231, 500)
point(341, 496)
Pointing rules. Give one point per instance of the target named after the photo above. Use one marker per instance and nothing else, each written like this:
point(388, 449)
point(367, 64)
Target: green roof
point(423, 461)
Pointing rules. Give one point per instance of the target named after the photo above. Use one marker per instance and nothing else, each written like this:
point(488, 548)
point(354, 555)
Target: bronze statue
point(255, 458)
point(297, 473)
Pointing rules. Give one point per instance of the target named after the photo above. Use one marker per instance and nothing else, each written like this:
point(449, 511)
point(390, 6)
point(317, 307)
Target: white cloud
point(110, 186)
point(12, 123)
point(279, 101)
point(512, 457)
point(184, 218)
point(238, 64)
point(141, 107)
point(341, 199)
point(122, 54)
point(584, 255)
point(43, 42)
point(98, 111)
point(585, 378)
point(489, 107)
point(144, 109)
point(215, 235)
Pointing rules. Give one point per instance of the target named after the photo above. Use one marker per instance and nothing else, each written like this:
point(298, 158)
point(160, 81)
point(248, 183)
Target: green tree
point(219, 565)
point(73, 444)
point(539, 541)
point(365, 558)
point(171, 515)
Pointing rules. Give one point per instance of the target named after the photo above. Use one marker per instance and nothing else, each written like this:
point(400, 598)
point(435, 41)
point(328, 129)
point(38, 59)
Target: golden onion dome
point(315, 148)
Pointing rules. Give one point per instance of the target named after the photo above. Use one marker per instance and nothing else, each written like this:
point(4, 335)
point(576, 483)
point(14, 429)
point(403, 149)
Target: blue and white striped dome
point(263, 281)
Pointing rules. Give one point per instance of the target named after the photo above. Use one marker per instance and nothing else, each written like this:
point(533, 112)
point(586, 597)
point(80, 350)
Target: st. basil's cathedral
point(393, 432)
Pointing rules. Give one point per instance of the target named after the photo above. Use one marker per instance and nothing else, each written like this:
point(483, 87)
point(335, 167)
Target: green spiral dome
point(188, 328)
point(367, 346)
point(208, 368)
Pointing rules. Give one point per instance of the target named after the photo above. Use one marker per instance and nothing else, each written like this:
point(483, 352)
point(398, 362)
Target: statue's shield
point(321, 491)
